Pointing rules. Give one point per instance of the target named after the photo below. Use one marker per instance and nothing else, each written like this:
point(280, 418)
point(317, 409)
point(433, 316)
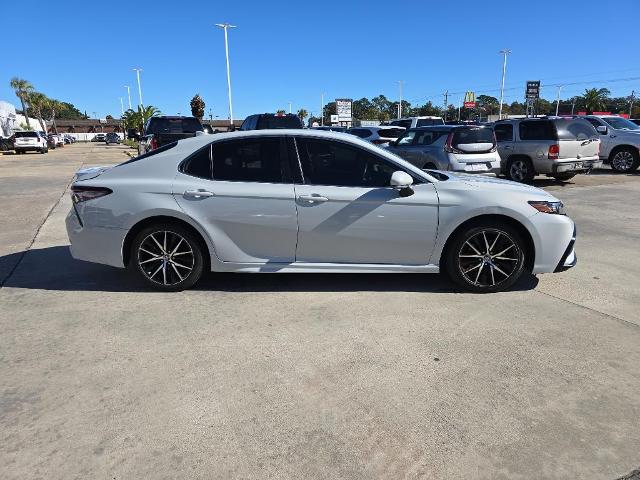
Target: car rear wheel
point(487, 258)
point(625, 160)
point(520, 169)
point(167, 257)
point(563, 177)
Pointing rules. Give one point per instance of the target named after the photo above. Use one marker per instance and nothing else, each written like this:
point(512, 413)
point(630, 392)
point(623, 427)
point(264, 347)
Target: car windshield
point(174, 125)
point(620, 123)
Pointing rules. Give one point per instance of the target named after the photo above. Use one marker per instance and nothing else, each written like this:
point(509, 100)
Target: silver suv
point(620, 141)
point(555, 147)
point(459, 148)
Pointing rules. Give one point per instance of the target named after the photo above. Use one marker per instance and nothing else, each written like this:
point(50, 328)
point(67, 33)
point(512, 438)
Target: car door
point(240, 191)
point(504, 137)
point(606, 140)
point(348, 213)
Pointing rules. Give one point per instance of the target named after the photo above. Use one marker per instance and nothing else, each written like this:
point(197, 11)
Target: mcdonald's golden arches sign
point(469, 100)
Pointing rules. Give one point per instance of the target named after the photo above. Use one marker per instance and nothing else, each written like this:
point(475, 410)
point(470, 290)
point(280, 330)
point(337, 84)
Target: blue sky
point(291, 51)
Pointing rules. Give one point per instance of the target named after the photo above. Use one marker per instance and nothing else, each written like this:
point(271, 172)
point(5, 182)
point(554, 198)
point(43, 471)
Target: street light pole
point(558, 99)
point(226, 27)
point(633, 94)
point(504, 52)
point(289, 107)
point(322, 109)
point(138, 70)
point(129, 95)
point(400, 82)
point(121, 106)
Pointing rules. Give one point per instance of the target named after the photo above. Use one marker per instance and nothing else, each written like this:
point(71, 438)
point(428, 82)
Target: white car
point(377, 135)
point(310, 201)
point(415, 122)
point(30, 141)
point(619, 141)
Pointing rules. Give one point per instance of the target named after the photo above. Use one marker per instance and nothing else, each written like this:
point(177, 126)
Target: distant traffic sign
point(533, 89)
point(469, 100)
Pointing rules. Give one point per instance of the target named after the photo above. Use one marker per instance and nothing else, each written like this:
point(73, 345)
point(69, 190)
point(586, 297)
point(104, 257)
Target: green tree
point(490, 105)
point(38, 101)
point(55, 106)
point(595, 98)
point(329, 109)
point(302, 113)
point(137, 118)
point(281, 112)
point(22, 88)
point(197, 106)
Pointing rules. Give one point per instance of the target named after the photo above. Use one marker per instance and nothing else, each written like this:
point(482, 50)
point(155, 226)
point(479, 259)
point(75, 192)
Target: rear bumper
point(576, 165)
point(28, 148)
point(479, 163)
point(94, 244)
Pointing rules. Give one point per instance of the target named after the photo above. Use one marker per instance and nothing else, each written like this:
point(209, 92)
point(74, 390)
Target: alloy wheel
point(519, 170)
point(165, 257)
point(623, 161)
point(488, 258)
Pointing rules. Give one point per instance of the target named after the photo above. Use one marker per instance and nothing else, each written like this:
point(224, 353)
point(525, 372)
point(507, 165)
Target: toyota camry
point(310, 201)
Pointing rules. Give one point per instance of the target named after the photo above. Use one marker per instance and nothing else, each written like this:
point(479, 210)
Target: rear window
point(272, 121)
point(427, 122)
point(151, 153)
point(402, 123)
point(360, 132)
point(26, 134)
point(575, 130)
point(537, 130)
point(472, 135)
point(174, 125)
point(390, 132)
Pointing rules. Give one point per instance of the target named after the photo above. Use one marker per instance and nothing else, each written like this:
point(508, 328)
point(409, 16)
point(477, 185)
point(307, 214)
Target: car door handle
point(313, 198)
point(198, 193)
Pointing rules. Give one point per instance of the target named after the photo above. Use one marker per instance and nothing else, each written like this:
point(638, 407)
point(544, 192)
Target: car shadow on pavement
point(53, 268)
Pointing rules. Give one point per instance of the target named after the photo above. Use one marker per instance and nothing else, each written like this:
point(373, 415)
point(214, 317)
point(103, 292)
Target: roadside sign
point(334, 119)
point(343, 109)
point(533, 89)
point(469, 100)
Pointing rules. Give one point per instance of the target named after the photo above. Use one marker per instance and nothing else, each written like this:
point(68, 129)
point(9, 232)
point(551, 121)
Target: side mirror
point(602, 130)
point(401, 181)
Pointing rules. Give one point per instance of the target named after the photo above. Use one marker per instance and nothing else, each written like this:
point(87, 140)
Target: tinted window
point(407, 138)
point(621, 123)
point(594, 122)
point(537, 130)
point(427, 122)
point(360, 132)
point(199, 164)
point(333, 163)
point(249, 160)
point(575, 130)
point(504, 132)
point(151, 153)
point(472, 135)
point(173, 125)
point(390, 132)
point(402, 123)
point(428, 137)
point(274, 121)
point(25, 134)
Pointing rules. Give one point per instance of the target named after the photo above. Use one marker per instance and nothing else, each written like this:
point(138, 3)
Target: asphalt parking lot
point(314, 376)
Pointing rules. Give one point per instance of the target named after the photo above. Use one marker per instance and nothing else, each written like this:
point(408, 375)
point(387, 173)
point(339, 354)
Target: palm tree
point(38, 102)
point(280, 112)
point(302, 113)
point(54, 106)
point(22, 88)
point(594, 98)
point(137, 119)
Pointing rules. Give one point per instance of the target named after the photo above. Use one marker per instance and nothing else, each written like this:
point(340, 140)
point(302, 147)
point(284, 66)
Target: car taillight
point(379, 141)
point(153, 144)
point(82, 194)
point(554, 152)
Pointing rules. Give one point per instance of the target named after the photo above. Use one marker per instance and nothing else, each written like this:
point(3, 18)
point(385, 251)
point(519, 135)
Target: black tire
point(168, 269)
point(429, 166)
point(624, 160)
point(520, 169)
point(474, 267)
point(563, 177)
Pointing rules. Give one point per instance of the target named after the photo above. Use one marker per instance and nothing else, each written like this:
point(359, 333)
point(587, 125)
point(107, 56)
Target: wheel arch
point(617, 148)
point(163, 219)
point(530, 256)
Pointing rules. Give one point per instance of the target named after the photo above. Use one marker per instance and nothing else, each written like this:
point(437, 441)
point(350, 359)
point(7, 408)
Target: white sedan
point(310, 201)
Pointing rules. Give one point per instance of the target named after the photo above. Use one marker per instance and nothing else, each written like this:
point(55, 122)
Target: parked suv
point(30, 141)
point(460, 148)
point(112, 137)
point(162, 130)
point(415, 122)
point(268, 121)
point(620, 141)
point(556, 147)
point(377, 135)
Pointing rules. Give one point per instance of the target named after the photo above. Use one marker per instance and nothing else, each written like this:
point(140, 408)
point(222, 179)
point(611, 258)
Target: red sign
point(469, 104)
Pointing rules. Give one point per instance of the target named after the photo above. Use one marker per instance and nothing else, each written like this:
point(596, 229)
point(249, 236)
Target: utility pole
point(322, 109)
point(121, 106)
point(138, 70)
point(400, 82)
point(573, 104)
point(633, 93)
point(459, 107)
point(504, 52)
point(446, 98)
point(129, 95)
point(226, 27)
point(558, 99)
point(289, 107)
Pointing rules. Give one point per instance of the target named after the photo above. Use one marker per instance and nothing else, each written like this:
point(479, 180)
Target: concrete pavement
point(318, 376)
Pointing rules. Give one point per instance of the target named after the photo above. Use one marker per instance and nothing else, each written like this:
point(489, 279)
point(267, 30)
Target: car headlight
point(548, 207)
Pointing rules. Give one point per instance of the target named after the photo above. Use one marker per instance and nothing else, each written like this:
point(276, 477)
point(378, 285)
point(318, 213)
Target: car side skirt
point(307, 267)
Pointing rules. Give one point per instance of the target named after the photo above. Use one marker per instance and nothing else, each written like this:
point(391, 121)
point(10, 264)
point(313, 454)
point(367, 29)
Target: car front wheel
point(487, 258)
point(167, 257)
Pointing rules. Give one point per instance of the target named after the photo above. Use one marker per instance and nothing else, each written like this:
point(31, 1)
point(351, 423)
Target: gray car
point(620, 141)
point(556, 147)
point(459, 148)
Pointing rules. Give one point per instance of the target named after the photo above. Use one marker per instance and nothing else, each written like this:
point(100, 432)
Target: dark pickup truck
point(161, 130)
